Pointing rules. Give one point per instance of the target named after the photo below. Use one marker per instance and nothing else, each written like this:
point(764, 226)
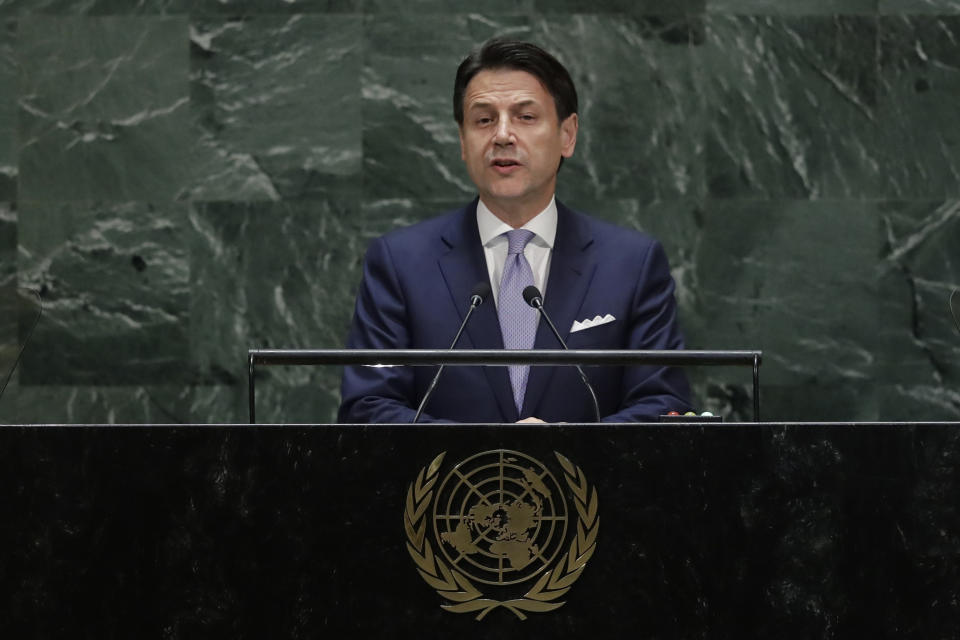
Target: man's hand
point(530, 419)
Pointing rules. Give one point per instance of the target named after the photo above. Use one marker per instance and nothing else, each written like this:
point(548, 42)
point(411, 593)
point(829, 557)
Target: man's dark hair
point(521, 56)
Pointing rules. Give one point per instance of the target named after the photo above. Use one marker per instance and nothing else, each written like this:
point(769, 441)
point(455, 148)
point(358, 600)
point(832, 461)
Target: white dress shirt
point(537, 251)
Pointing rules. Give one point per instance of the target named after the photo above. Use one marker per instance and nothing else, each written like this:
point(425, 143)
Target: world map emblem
point(502, 520)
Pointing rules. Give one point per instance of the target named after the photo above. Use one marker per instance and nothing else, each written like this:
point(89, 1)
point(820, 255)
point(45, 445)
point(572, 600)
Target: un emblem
point(501, 519)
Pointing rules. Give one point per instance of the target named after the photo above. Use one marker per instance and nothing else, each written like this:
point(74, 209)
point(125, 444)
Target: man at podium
point(604, 287)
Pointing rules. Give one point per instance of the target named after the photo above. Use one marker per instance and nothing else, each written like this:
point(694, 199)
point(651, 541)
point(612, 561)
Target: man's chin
point(509, 190)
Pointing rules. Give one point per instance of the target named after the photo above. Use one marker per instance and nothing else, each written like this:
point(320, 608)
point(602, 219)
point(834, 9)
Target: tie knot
point(518, 239)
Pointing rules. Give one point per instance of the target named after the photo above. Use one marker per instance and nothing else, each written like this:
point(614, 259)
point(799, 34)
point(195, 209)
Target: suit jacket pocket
point(604, 336)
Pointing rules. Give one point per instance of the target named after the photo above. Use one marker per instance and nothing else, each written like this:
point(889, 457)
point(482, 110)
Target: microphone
point(955, 307)
point(480, 292)
point(533, 298)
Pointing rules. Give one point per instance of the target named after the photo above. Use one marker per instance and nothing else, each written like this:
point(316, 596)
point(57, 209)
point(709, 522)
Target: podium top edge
point(497, 357)
point(474, 425)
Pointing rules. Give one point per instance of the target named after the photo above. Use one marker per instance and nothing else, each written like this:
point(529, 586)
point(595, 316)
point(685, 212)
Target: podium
point(699, 530)
point(499, 358)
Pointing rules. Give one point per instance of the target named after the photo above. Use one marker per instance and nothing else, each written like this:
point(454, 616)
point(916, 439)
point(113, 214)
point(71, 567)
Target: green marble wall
point(183, 180)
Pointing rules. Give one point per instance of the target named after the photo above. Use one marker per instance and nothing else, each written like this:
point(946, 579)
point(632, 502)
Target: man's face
point(512, 142)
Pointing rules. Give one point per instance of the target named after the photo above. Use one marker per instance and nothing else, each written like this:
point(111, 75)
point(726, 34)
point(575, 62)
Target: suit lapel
point(463, 266)
point(571, 270)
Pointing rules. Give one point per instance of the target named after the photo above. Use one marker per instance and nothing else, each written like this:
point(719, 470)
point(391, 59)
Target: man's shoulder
point(428, 230)
point(611, 235)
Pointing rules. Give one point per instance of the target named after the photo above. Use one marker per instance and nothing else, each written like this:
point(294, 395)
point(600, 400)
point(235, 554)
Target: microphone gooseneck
point(480, 292)
point(534, 298)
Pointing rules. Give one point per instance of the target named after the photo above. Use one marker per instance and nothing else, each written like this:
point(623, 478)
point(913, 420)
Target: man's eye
point(527, 116)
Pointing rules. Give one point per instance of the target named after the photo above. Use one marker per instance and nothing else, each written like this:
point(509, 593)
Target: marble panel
point(211, 404)
point(8, 110)
point(931, 7)
point(260, 7)
point(115, 286)
point(80, 404)
point(8, 244)
point(920, 355)
point(797, 280)
point(133, 404)
point(383, 215)
point(641, 120)
point(276, 102)
point(725, 394)
point(847, 401)
point(9, 352)
point(20, 310)
point(637, 7)
point(103, 108)
point(94, 7)
point(911, 401)
point(792, 106)
point(780, 8)
point(313, 400)
point(919, 84)
point(9, 333)
point(498, 8)
point(347, 119)
point(275, 275)
point(411, 147)
point(689, 231)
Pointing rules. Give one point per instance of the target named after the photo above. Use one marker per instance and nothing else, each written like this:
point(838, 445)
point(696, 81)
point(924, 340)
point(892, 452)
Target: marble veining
point(114, 281)
point(184, 181)
point(8, 110)
point(792, 105)
point(83, 133)
point(256, 81)
point(919, 80)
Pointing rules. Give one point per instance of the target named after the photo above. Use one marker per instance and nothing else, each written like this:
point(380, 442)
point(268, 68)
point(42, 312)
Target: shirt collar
point(543, 225)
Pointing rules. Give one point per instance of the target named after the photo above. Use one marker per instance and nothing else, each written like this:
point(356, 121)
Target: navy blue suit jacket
point(415, 292)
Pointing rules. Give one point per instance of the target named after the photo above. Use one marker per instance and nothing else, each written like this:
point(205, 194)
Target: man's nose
point(504, 133)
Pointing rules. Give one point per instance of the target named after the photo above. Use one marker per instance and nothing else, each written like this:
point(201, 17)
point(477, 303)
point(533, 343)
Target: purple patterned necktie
point(518, 320)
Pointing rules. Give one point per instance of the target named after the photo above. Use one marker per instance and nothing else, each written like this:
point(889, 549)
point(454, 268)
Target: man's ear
point(463, 156)
point(568, 135)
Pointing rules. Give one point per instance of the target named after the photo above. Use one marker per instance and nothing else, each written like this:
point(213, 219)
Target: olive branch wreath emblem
point(457, 588)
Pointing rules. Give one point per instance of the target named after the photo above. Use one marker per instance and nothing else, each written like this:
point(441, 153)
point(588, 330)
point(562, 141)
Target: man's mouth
point(504, 165)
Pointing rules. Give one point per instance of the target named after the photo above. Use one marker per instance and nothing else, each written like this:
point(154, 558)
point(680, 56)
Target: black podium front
point(646, 531)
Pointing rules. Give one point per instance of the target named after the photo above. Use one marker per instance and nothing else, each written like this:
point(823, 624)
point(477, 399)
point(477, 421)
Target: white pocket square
point(580, 325)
